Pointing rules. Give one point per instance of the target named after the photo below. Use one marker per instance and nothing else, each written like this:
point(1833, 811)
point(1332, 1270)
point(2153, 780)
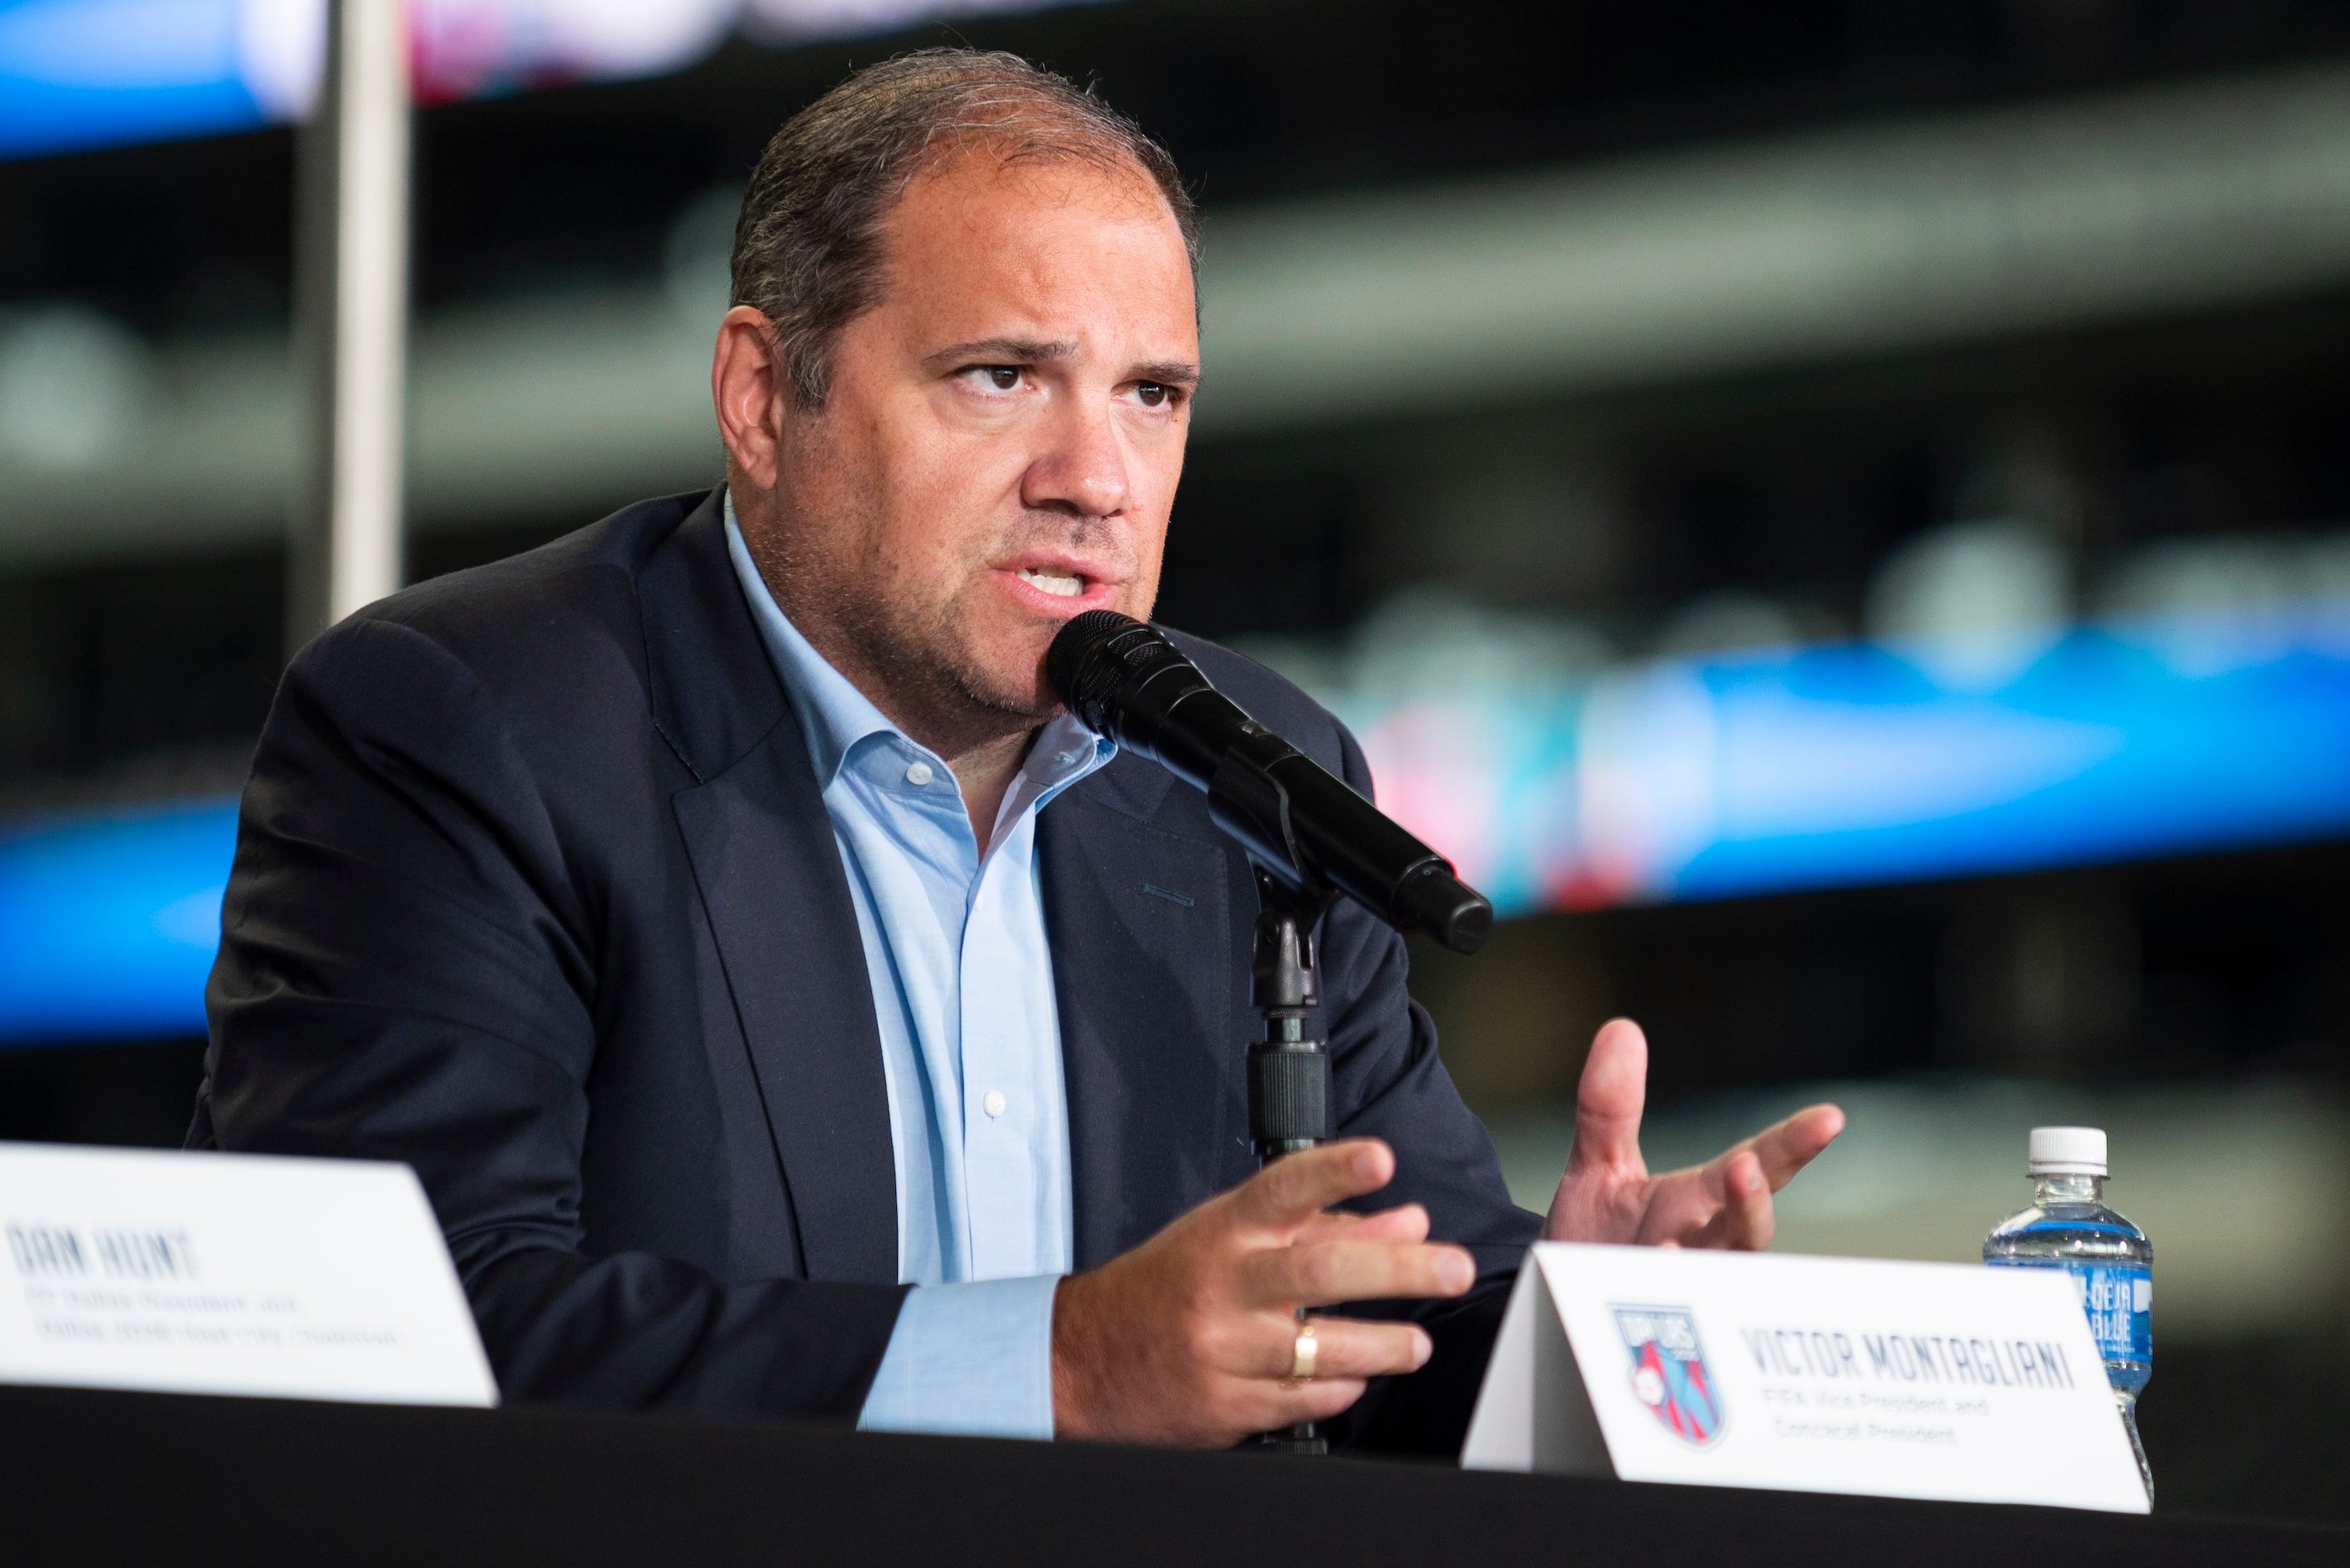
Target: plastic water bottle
point(2069, 1227)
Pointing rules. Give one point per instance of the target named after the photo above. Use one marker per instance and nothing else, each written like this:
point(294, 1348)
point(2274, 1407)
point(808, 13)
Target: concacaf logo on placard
point(1668, 1371)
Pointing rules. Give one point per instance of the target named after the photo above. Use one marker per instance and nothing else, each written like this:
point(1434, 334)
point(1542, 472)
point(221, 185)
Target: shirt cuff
point(971, 1360)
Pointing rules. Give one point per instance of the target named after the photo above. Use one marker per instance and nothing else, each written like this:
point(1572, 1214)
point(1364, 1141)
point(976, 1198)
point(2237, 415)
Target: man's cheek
point(1141, 591)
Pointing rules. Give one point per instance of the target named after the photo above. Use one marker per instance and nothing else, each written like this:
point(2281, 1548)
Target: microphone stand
point(1289, 1074)
point(1123, 678)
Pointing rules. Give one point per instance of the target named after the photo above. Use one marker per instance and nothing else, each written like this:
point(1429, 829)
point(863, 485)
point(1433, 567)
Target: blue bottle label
point(2120, 1300)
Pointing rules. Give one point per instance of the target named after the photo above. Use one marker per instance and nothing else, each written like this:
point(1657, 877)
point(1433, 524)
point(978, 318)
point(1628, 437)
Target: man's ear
point(749, 389)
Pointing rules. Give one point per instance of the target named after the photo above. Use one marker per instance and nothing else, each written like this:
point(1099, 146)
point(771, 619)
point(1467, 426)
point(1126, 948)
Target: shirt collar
point(835, 715)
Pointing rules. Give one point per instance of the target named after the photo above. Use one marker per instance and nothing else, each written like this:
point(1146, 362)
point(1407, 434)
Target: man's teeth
point(1053, 580)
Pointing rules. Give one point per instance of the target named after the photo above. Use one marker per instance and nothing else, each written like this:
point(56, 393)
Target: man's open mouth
point(1055, 580)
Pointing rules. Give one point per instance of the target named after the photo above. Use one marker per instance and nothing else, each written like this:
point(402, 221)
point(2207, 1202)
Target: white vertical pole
point(355, 243)
point(370, 303)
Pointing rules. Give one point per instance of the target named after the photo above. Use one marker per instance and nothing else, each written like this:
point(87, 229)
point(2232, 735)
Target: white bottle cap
point(2067, 1151)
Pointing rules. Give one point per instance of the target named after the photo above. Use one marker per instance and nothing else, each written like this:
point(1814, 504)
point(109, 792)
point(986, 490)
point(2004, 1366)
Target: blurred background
point(1837, 514)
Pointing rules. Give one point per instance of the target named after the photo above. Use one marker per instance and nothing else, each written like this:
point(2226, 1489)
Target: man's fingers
point(1296, 1187)
point(1346, 1351)
point(1789, 1145)
point(1345, 1347)
point(1783, 1148)
point(1726, 1202)
point(1608, 1101)
point(1745, 1221)
point(1406, 1223)
point(1274, 1406)
point(1317, 1273)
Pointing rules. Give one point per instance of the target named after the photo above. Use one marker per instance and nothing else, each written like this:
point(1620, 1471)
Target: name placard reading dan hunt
point(209, 1274)
point(1923, 1380)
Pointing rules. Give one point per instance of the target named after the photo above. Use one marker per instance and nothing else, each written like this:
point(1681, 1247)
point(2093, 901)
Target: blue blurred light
point(1762, 773)
point(97, 73)
point(2102, 753)
point(78, 74)
point(109, 923)
point(1828, 766)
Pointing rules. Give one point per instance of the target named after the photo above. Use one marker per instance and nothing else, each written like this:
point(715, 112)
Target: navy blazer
point(534, 890)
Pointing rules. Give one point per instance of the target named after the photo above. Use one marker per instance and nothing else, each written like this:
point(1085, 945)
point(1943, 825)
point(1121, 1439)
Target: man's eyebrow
point(1166, 373)
point(1041, 352)
point(1004, 351)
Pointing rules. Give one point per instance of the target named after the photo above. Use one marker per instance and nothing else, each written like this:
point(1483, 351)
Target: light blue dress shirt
point(971, 1042)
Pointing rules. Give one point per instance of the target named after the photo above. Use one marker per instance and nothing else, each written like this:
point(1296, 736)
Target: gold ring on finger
point(1301, 1357)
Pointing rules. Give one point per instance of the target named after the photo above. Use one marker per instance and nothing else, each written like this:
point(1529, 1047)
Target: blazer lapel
point(771, 880)
point(1144, 968)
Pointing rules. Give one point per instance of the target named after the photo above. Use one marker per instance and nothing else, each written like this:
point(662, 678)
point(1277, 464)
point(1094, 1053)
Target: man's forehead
point(1022, 173)
point(1049, 250)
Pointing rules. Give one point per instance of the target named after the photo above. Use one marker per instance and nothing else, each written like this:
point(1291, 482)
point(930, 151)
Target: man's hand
point(1608, 1194)
point(1188, 1338)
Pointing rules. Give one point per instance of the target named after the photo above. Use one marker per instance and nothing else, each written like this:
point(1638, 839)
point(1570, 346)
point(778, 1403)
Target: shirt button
point(993, 1104)
point(918, 774)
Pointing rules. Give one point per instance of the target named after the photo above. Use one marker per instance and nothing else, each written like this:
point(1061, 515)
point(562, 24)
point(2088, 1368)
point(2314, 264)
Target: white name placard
point(1837, 1375)
point(214, 1274)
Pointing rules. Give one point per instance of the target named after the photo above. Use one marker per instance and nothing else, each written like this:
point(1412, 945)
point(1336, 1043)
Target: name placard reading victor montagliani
point(1924, 1380)
point(213, 1274)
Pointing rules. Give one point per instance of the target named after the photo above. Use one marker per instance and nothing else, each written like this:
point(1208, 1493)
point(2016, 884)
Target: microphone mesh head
point(1076, 666)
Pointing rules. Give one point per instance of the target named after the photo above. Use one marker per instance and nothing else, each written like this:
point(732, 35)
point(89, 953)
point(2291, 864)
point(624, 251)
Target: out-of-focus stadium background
point(1837, 514)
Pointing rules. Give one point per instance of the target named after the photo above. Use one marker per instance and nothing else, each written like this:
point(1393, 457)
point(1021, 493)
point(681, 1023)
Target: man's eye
point(1003, 378)
point(1152, 394)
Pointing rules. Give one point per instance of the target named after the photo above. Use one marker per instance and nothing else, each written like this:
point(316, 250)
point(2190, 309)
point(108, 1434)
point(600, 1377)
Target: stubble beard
point(920, 653)
point(911, 659)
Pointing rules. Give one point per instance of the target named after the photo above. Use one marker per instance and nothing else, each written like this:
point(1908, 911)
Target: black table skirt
point(99, 1478)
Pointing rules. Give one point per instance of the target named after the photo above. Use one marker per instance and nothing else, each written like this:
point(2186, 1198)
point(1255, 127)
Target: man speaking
point(787, 1005)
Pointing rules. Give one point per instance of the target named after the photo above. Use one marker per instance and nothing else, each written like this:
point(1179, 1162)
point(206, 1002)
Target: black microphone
point(1301, 824)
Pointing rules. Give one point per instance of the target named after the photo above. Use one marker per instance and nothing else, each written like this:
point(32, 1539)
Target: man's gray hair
point(808, 246)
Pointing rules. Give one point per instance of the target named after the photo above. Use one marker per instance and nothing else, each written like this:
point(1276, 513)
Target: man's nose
point(1081, 468)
